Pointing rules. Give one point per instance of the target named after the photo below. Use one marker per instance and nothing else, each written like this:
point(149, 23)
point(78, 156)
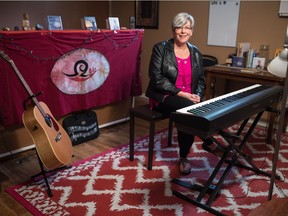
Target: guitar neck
point(32, 96)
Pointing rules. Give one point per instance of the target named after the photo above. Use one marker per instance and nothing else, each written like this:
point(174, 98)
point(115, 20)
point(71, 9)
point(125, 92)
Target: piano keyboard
point(206, 118)
point(218, 102)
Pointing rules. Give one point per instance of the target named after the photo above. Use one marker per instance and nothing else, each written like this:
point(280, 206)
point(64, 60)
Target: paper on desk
point(250, 70)
point(247, 70)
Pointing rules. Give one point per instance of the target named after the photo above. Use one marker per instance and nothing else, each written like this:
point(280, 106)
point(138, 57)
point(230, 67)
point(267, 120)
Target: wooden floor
point(19, 168)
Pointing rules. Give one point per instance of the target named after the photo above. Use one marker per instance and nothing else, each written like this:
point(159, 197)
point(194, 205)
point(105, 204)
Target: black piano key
point(196, 112)
point(204, 108)
point(212, 106)
point(223, 102)
point(218, 103)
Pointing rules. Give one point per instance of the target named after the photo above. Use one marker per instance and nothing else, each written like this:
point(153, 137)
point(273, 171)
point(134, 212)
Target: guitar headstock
point(5, 56)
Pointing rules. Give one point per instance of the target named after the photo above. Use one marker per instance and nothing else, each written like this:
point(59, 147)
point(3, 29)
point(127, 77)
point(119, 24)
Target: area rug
point(110, 184)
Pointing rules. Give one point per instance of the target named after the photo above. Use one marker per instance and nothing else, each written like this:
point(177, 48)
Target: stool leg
point(170, 129)
point(285, 122)
point(131, 145)
point(151, 145)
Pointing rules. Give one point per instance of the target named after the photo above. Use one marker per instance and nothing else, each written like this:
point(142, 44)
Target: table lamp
point(279, 67)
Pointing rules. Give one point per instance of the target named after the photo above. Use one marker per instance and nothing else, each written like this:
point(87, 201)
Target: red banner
point(73, 70)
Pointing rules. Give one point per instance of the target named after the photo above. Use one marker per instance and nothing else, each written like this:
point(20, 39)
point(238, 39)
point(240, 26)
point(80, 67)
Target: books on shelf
point(54, 23)
point(89, 23)
point(249, 55)
point(113, 23)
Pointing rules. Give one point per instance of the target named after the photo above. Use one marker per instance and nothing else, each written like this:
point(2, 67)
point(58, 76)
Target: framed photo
point(54, 23)
point(258, 63)
point(114, 23)
point(146, 14)
point(89, 23)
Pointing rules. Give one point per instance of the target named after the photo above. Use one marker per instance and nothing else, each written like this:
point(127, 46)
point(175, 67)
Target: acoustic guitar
point(52, 143)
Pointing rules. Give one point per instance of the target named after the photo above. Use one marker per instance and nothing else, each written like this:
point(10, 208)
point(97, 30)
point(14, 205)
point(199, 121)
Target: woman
point(177, 78)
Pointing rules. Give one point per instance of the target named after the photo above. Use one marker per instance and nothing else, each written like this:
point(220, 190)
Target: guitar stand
point(230, 157)
point(44, 172)
point(30, 98)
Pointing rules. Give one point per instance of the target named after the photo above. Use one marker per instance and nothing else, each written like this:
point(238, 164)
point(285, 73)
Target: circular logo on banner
point(80, 71)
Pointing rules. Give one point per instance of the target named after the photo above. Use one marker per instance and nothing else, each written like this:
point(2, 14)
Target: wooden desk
point(240, 74)
point(232, 73)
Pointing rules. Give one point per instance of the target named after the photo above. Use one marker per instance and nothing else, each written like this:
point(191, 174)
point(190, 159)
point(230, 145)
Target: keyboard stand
point(230, 157)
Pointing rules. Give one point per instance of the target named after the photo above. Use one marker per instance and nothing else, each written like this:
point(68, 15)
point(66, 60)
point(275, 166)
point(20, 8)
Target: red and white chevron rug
point(110, 184)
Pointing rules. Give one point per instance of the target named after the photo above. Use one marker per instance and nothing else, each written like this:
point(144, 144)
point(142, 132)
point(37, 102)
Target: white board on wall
point(223, 22)
point(283, 8)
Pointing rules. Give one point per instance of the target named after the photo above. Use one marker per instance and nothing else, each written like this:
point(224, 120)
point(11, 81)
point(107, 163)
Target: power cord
point(261, 167)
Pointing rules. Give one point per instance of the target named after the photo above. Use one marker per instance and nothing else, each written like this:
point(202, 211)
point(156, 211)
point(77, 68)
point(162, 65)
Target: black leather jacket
point(163, 71)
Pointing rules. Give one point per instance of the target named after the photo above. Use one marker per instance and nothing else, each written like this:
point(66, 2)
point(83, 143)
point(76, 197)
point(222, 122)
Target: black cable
point(260, 167)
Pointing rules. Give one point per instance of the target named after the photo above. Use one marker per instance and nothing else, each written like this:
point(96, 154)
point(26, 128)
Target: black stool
point(144, 112)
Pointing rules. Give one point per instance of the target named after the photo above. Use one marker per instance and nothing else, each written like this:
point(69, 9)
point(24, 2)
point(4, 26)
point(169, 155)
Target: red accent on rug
point(110, 184)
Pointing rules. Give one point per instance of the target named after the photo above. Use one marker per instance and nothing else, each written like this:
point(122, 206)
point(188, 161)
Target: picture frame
point(114, 23)
point(89, 23)
point(54, 23)
point(258, 63)
point(146, 14)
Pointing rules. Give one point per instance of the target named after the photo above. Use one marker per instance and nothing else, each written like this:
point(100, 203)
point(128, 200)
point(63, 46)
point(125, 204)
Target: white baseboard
point(114, 122)
point(26, 148)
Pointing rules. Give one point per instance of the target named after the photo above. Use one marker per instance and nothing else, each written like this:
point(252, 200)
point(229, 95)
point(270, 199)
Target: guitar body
point(53, 144)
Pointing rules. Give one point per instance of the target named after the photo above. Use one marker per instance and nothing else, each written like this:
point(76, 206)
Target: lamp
point(279, 67)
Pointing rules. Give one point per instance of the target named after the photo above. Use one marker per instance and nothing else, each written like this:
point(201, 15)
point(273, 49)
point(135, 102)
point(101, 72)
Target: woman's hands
point(193, 97)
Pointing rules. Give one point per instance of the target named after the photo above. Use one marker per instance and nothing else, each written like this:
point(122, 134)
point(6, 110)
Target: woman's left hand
point(195, 98)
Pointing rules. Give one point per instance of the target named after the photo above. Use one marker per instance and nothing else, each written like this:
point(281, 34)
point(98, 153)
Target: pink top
point(184, 78)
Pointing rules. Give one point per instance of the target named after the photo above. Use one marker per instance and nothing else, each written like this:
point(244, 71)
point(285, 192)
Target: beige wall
point(258, 24)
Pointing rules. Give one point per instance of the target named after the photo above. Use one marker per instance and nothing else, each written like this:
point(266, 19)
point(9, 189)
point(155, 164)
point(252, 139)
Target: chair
point(209, 60)
point(145, 113)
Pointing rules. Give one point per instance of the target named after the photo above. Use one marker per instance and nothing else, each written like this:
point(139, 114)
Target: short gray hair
point(181, 19)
